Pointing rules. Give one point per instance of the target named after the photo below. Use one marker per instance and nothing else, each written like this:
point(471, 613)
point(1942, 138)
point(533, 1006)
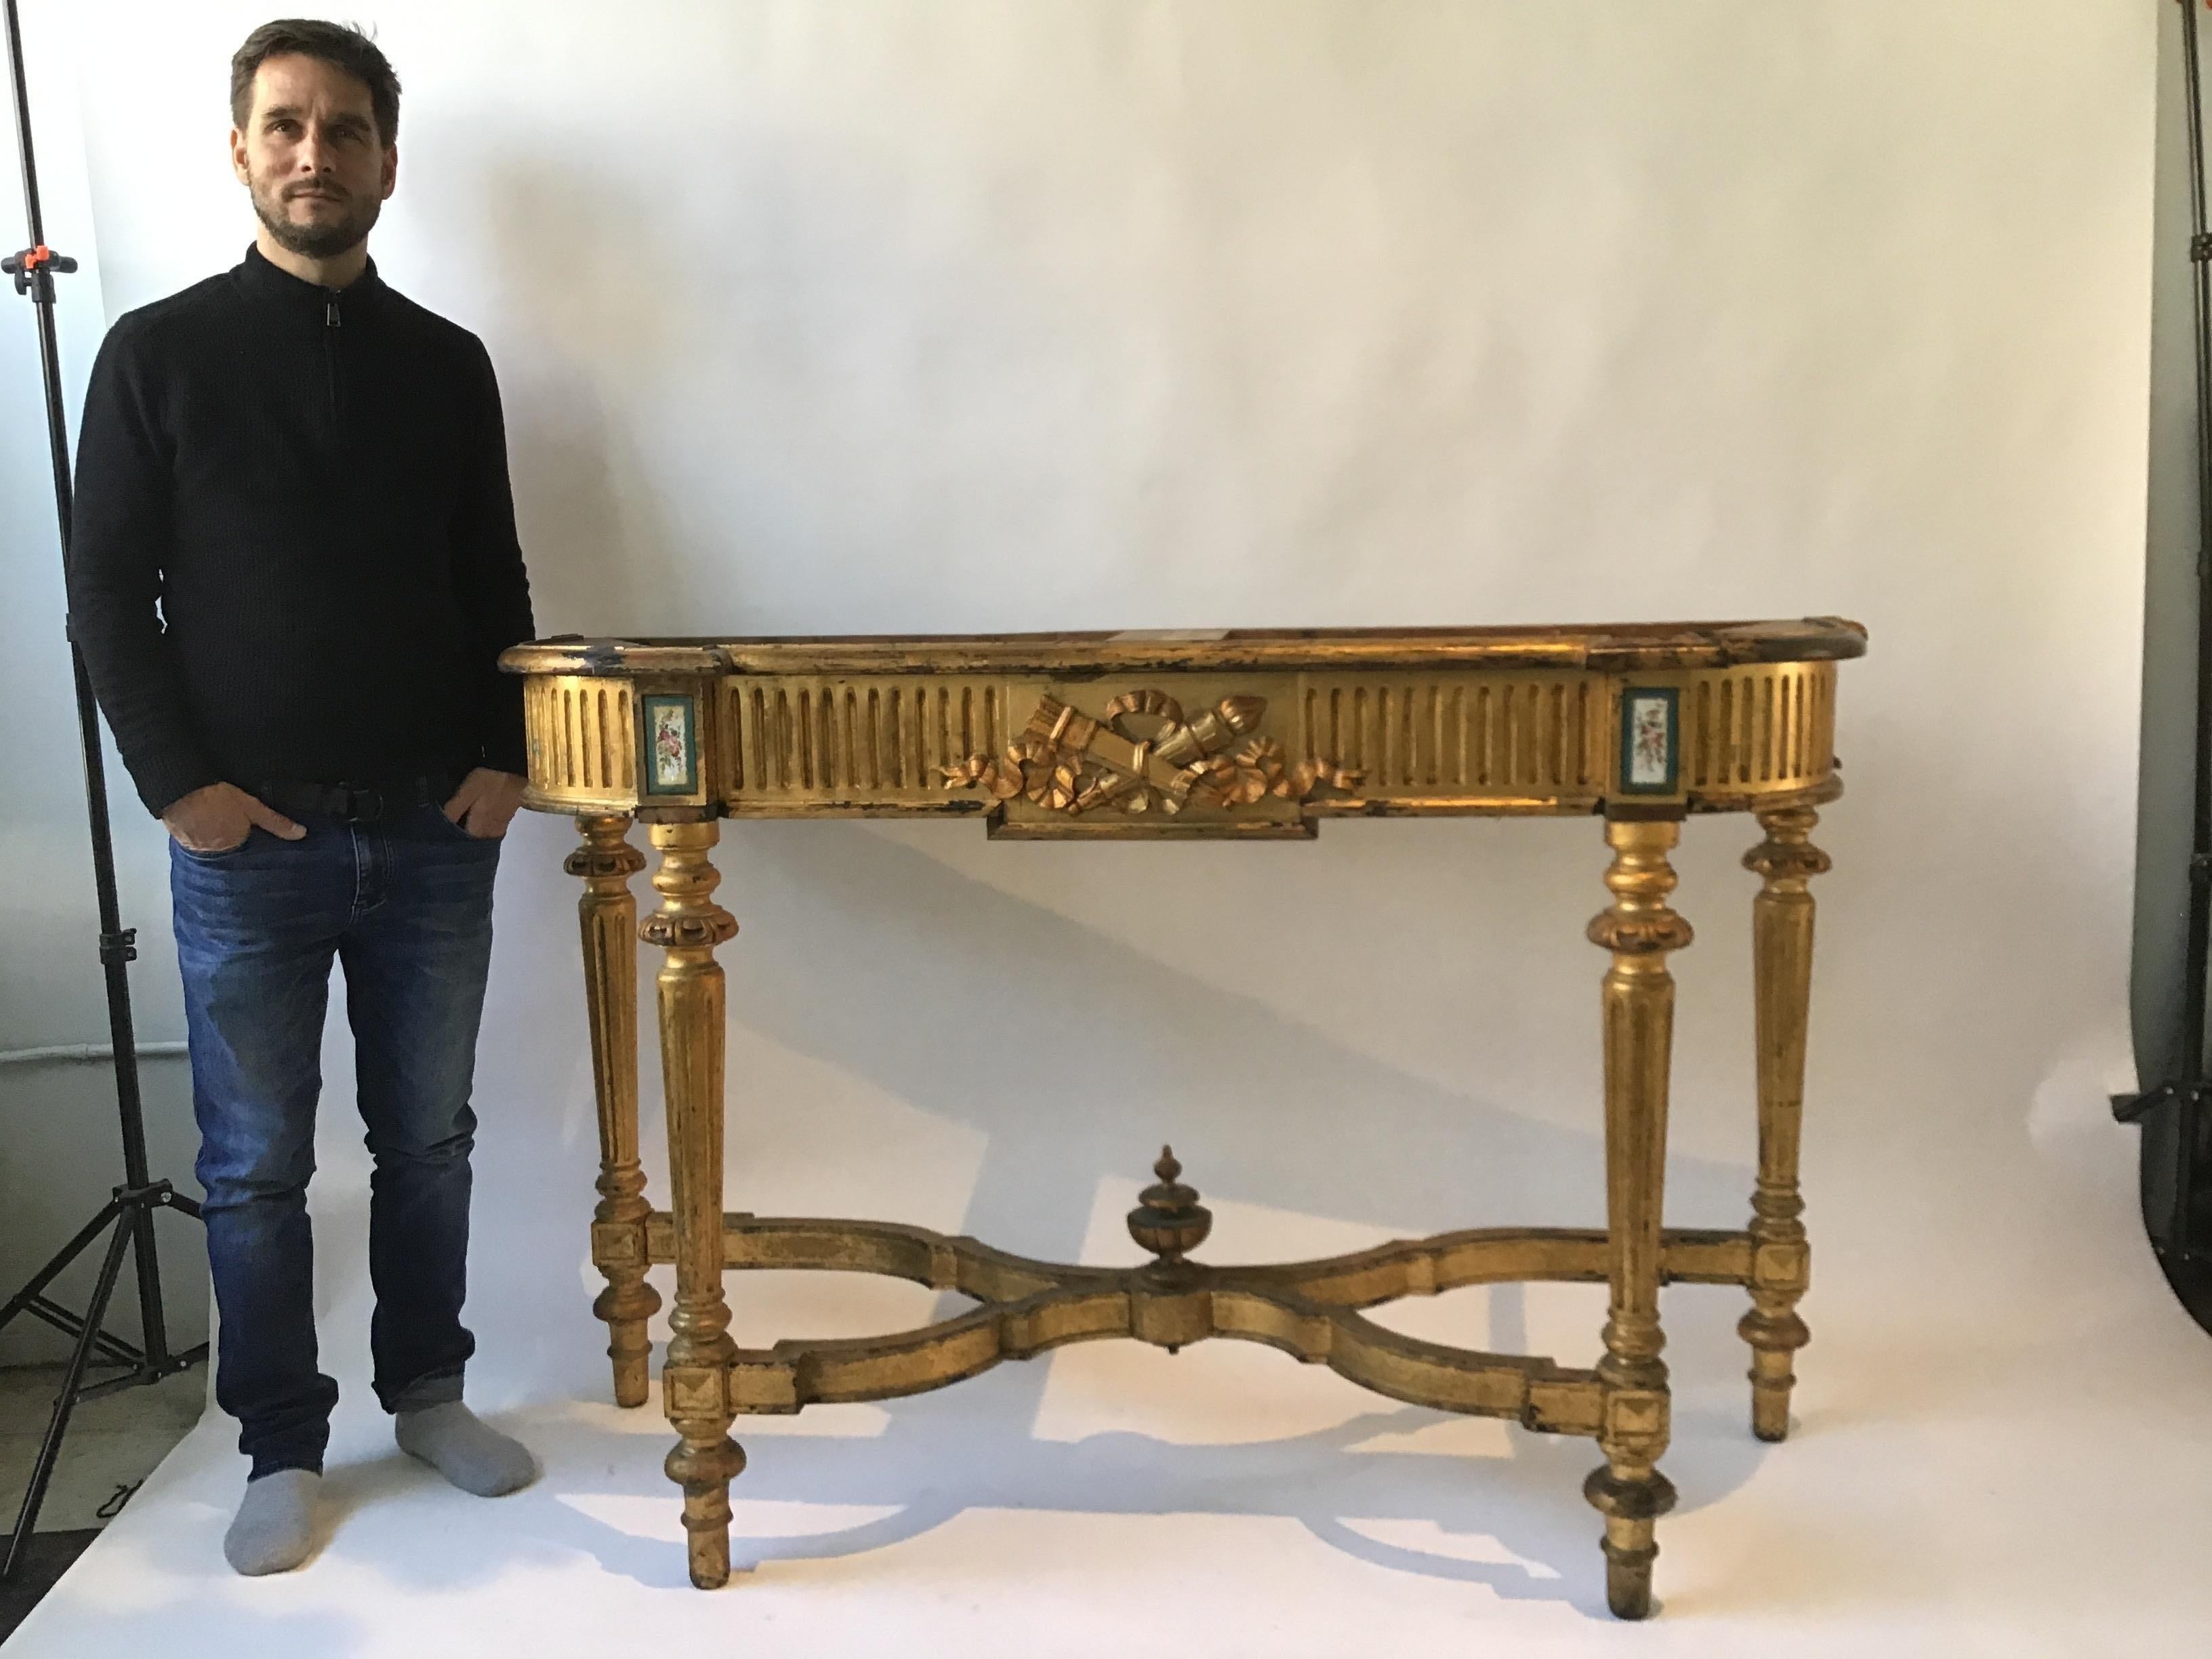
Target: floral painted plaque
point(1650, 740)
point(670, 745)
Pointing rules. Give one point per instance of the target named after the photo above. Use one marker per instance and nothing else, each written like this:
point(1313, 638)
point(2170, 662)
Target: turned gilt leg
point(606, 862)
point(1781, 960)
point(1640, 930)
point(695, 1386)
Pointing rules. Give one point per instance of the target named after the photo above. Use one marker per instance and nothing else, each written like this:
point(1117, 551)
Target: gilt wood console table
point(1233, 735)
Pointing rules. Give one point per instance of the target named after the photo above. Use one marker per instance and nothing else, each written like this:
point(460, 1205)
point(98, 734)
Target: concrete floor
point(113, 1443)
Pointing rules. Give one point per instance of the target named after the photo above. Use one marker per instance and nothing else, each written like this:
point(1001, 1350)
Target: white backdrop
point(988, 315)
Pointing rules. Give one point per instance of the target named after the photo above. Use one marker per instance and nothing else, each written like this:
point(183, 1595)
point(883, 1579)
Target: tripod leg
point(110, 1350)
point(152, 1323)
point(69, 1253)
point(50, 1449)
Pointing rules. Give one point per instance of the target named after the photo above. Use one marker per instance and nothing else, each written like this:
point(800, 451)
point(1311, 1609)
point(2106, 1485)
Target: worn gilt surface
point(1230, 735)
point(1641, 930)
point(1782, 935)
point(606, 862)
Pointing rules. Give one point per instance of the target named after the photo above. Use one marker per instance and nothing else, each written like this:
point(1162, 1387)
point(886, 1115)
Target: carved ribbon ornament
point(1142, 756)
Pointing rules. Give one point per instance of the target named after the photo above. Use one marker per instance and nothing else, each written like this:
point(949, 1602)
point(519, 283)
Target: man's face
point(311, 156)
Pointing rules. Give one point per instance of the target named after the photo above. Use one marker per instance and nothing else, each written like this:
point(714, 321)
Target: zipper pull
point(331, 312)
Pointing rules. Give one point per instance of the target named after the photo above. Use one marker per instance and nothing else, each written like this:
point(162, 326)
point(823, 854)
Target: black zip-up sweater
point(312, 485)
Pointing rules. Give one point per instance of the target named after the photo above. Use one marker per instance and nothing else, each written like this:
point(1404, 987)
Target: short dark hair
point(342, 45)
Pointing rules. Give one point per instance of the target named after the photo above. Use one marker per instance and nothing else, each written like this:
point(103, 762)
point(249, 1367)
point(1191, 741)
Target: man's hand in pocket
point(485, 802)
point(220, 817)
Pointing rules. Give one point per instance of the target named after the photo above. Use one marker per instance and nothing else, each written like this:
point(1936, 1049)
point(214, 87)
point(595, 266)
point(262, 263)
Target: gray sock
point(469, 1452)
point(275, 1528)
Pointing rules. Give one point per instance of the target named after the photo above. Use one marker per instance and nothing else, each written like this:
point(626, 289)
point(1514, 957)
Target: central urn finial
point(1168, 1220)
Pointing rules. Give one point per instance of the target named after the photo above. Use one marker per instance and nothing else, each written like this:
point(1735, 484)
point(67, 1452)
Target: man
point(307, 474)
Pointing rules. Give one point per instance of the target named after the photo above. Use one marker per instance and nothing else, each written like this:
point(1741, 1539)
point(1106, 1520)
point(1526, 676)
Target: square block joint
point(1636, 1418)
point(619, 1243)
point(694, 1391)
point(1781, 1267)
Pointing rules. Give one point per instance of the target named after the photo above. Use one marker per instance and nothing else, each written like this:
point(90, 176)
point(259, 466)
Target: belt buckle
point(363, 806)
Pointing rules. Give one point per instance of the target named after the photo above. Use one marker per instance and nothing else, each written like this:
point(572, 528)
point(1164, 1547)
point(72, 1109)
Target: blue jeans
point(404, 904)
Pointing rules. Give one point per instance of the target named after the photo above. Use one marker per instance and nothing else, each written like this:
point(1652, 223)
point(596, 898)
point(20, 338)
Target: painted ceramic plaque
point(671, 751)
point(1650, 740)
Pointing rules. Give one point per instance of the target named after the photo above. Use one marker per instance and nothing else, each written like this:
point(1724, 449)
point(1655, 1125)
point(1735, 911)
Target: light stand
point(2177, 1182)
point(127, 1219)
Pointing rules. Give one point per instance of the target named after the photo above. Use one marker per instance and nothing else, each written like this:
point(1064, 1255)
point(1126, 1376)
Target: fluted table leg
point(608, 913)
point(1781, 960)
point(689, 925)
point(1640, 930)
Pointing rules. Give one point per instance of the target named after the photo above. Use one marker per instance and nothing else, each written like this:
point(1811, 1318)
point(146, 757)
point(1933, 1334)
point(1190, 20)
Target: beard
point(321, 239)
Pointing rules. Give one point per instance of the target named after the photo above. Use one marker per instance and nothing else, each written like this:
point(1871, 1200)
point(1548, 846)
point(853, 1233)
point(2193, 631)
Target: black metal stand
point(128, 1218)
point(2177, 1175)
